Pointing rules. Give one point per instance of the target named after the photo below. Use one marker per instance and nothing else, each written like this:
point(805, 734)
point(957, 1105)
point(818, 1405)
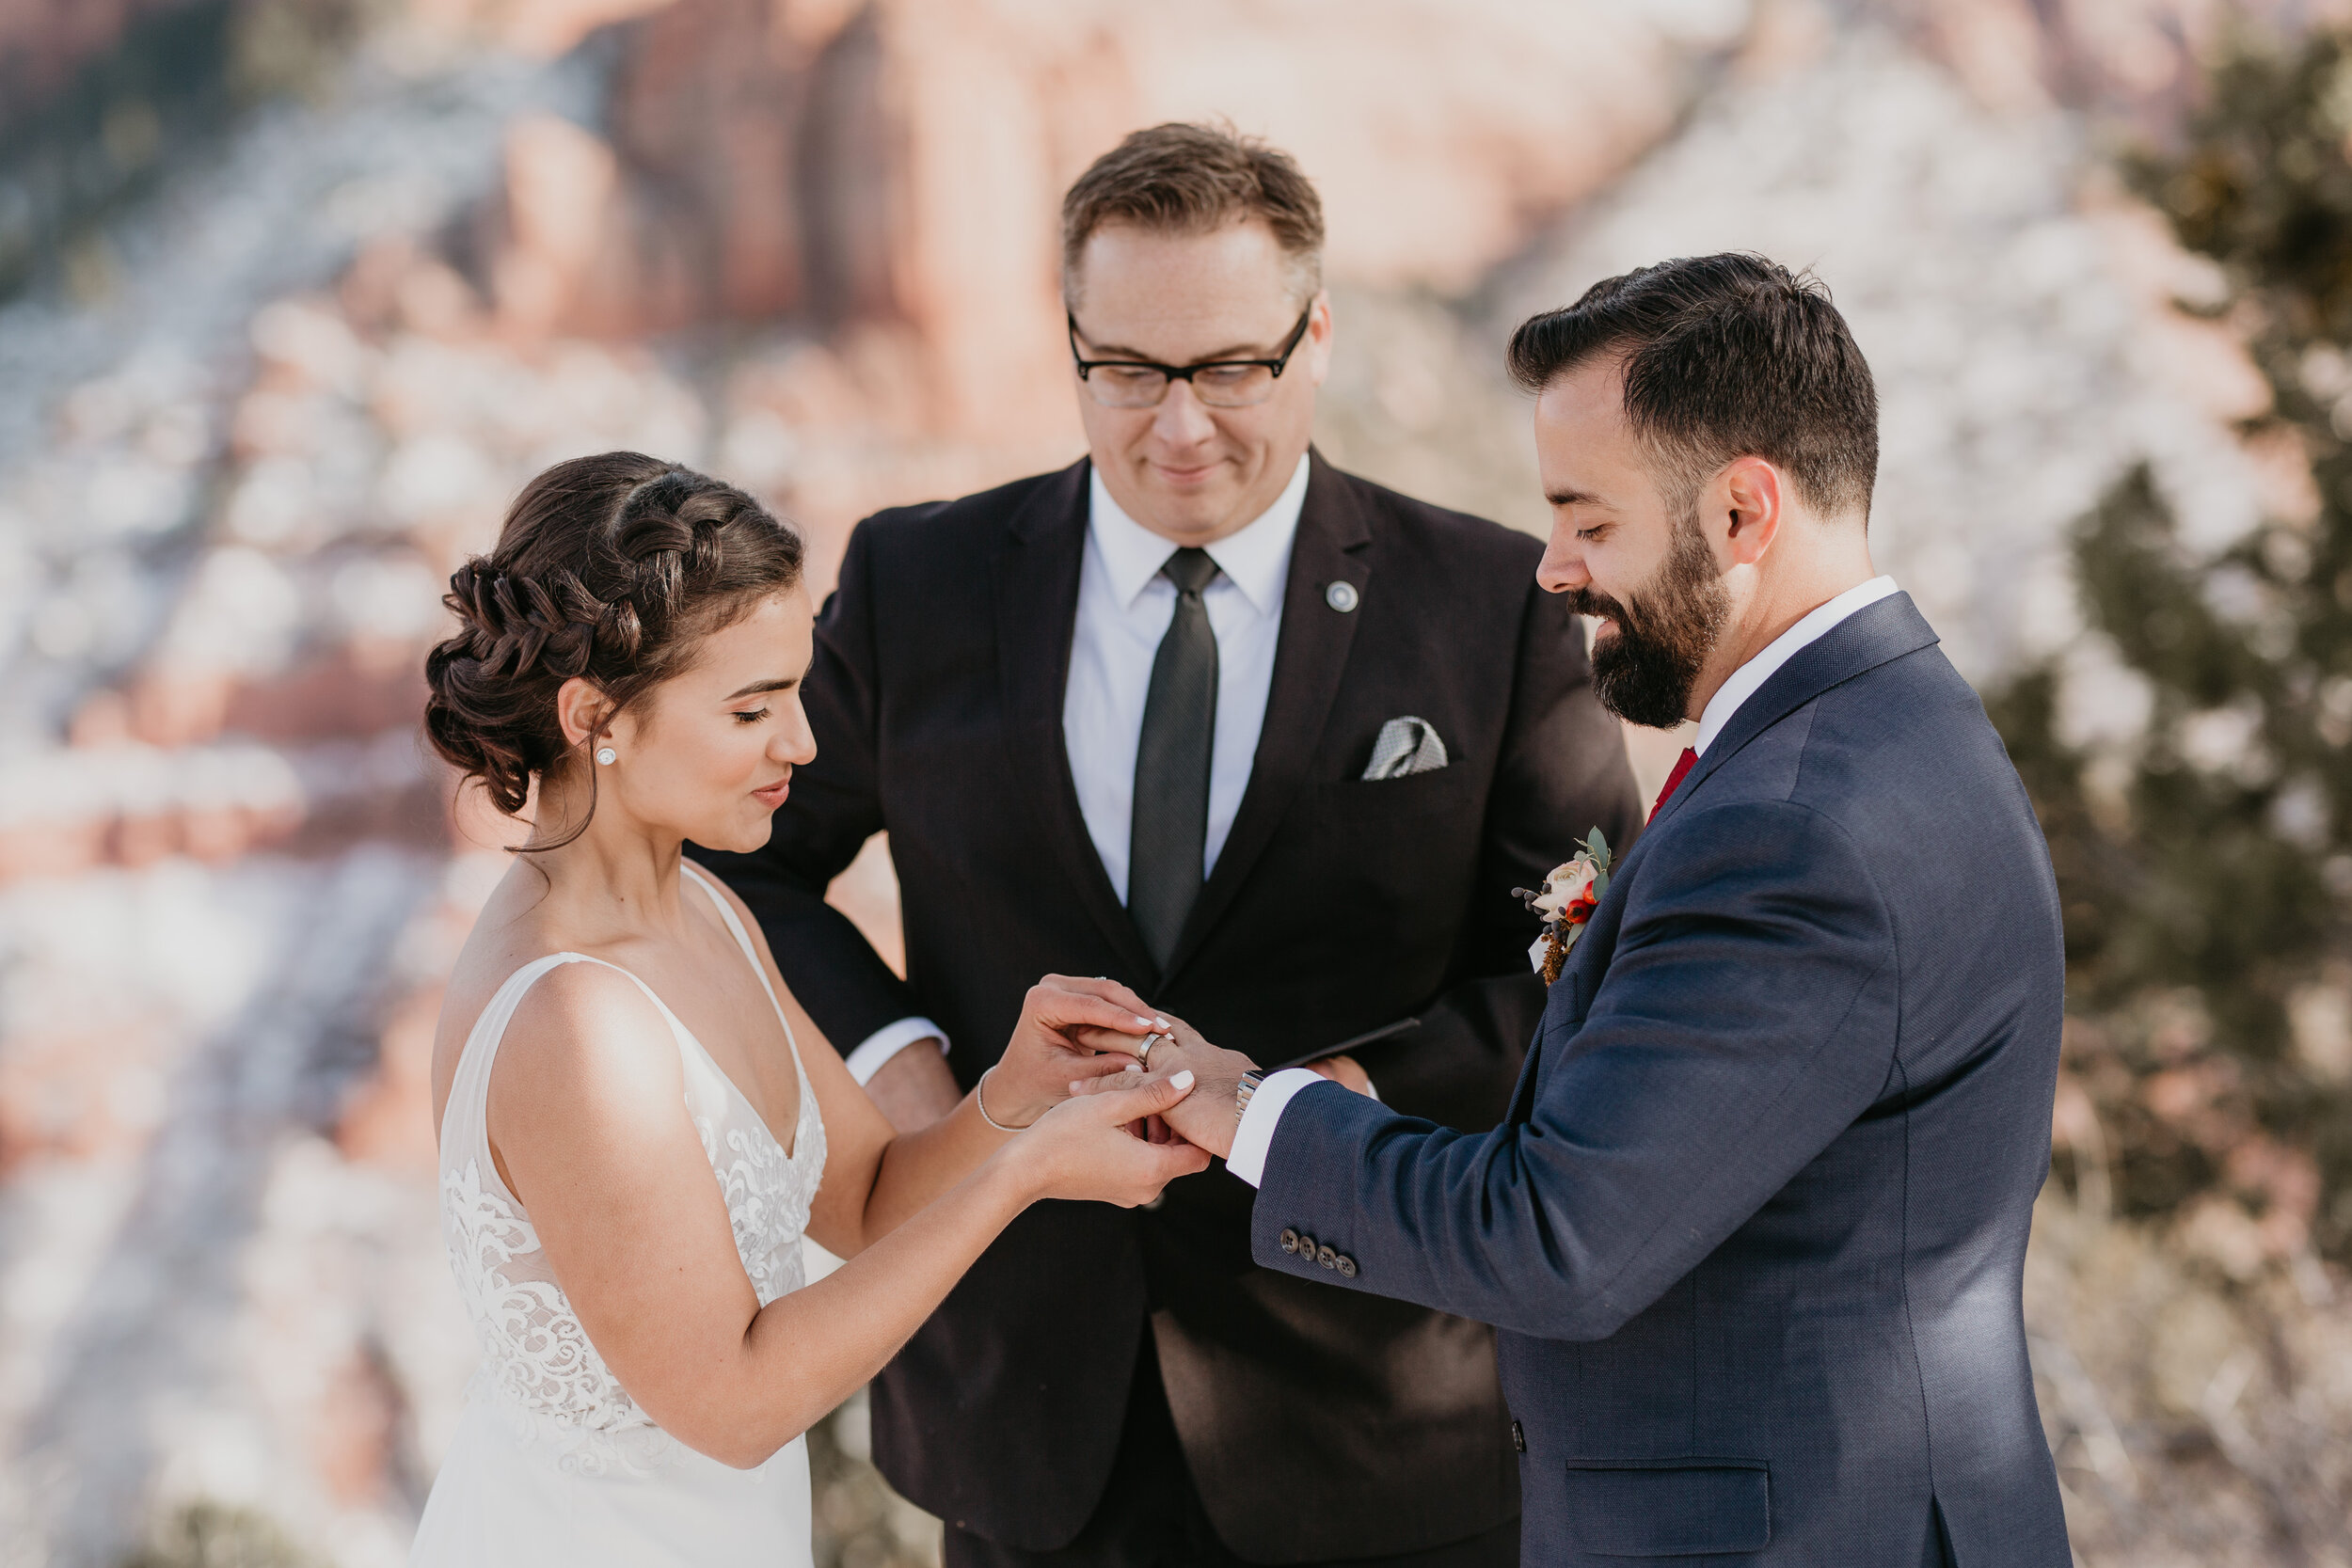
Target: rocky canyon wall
point(811, 244)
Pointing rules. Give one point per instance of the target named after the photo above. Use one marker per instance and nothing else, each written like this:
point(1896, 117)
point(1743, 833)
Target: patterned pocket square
point(1405, 746)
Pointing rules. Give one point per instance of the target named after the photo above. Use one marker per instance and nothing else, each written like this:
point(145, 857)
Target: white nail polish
point(1182, 1080)
point(1163, 1023)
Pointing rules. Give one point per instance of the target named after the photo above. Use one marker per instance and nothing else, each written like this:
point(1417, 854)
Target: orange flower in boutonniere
point(1569, 895)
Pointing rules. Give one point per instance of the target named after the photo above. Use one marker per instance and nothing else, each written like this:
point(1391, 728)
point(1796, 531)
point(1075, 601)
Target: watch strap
point(1243, 1090)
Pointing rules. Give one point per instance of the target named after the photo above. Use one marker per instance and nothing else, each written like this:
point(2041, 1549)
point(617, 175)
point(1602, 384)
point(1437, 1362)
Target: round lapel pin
point(1342, 596)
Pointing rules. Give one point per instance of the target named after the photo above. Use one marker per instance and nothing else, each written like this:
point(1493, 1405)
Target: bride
point(633, 1139)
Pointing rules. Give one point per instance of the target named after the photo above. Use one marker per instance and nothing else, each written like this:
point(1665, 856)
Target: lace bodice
point(538, 1363)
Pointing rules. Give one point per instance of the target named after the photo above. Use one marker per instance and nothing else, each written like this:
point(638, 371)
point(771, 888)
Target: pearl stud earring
point(607, 755)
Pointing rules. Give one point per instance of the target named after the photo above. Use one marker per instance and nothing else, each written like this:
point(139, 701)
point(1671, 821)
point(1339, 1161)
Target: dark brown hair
point(610, 568)
point(1725, 357)
point(1188, 179)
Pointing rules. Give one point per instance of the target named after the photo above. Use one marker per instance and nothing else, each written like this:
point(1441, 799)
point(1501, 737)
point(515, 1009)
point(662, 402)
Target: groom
point(1755, 1227)
point(1272, 745)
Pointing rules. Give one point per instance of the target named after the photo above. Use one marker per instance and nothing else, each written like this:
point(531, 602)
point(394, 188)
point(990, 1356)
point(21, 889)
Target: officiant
point(1272, 745)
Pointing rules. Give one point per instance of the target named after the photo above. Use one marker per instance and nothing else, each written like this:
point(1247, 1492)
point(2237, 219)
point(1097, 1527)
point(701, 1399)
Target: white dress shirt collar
point(1751, 676)
point(1255, 560)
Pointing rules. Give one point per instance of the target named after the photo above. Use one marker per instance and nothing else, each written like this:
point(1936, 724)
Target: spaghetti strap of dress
point(552, 1461)
point(465, 1120)
point(751, 954)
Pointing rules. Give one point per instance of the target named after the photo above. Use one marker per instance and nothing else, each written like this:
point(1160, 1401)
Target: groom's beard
point(1644, 674)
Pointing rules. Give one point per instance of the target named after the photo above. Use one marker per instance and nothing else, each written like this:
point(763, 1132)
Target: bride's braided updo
point(608, 567)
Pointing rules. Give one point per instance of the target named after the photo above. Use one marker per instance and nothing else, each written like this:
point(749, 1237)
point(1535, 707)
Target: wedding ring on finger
point(1143, 1057)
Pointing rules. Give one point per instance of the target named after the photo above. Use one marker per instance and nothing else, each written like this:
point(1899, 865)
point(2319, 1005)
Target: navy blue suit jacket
point(1755, 1229)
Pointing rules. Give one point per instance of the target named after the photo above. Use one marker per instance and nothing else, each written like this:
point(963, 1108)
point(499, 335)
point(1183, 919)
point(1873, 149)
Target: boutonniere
point(1567, 901)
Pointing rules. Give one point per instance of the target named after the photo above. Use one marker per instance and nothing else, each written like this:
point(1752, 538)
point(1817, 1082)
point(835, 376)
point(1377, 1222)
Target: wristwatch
point(1243, 1090)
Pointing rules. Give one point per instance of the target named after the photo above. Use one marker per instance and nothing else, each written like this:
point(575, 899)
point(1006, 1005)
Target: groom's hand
point(1207, 1116)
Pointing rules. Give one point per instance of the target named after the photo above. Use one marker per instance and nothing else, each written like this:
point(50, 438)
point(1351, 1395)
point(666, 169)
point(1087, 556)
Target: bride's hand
point(1084, 1149)
point(1070, 1029)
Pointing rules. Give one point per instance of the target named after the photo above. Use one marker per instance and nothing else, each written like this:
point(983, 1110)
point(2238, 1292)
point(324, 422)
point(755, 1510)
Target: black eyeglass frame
point(1174, 373)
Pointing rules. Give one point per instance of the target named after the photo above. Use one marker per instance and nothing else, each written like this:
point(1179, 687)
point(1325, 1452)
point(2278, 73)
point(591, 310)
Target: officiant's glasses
point(1218, 383)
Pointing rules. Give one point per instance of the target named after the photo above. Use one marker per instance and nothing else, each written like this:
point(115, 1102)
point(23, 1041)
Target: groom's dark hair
point(1725, 357)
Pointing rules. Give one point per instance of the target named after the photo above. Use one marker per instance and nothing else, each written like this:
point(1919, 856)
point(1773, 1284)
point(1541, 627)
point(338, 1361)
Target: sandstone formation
point(811, 243)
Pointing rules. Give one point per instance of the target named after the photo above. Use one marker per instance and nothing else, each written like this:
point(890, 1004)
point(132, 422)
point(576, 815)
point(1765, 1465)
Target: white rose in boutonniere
point(1567, 901)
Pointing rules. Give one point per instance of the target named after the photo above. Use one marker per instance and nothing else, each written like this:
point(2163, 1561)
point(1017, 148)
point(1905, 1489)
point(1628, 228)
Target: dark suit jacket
point(1316, 1426)
point(1755, 1229)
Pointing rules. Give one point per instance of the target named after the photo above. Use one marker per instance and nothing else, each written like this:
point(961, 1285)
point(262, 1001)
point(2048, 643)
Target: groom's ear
point(1751, 494)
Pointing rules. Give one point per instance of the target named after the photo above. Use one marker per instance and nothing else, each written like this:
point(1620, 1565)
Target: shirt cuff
point(1253, 1140)
point(888, 1041)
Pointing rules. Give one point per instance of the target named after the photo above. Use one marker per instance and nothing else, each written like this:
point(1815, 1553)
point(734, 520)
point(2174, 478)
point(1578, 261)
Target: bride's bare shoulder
point(586, 1043)
point(571, 1014)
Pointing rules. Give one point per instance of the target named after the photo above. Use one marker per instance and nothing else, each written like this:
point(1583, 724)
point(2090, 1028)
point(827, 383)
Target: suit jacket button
point(1306, 1247)
point(1290, 1241)
point(1346, 1266)
point(1324, 1256)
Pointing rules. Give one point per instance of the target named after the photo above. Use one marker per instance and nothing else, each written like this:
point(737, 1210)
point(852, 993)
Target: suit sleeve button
point(1306, 1247)
point(1290, 1240)
point(1346, 1266)
point(1328, 1258)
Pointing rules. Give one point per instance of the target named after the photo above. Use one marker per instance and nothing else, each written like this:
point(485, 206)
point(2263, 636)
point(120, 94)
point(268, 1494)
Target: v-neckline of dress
point(800, 1117)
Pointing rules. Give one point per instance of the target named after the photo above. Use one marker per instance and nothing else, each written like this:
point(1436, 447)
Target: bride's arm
point(876, 1177)
point(587, 1123)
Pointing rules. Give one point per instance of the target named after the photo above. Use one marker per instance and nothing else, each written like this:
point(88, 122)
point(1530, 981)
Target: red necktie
point(1683, 765)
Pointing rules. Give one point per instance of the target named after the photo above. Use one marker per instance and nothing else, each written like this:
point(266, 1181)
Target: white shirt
point(1125, 609)
point(1254, 1138)
point(1750, 677)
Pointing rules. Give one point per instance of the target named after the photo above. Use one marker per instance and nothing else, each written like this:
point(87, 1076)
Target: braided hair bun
point(608, 568)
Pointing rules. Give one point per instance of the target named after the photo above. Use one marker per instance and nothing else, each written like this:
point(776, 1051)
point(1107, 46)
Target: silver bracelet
point(982, 1103)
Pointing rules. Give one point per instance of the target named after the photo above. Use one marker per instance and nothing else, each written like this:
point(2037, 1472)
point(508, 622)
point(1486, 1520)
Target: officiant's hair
point(1725, 357)
point(612, 567)
point(1185, 178)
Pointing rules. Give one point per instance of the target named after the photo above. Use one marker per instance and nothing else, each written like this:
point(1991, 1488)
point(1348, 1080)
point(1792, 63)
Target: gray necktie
point(1169, 831)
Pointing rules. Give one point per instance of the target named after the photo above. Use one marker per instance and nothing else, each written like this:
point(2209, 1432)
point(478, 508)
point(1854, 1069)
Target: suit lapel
point(1571, 996)
point(1872, 636)
point(1309, 656)
point(1034, 579)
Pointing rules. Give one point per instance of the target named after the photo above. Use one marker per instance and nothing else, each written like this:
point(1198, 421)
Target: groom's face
point(1188, 471)
point(1626, 551)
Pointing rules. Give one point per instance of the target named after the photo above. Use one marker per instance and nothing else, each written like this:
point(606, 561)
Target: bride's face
point(708, 754)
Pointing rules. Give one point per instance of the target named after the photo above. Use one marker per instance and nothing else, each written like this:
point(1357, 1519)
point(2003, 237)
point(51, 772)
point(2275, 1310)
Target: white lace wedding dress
point(553, 1462)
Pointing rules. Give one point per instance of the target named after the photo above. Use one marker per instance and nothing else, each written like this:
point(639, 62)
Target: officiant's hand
point(1070, 1030)
point(1344, 1070)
